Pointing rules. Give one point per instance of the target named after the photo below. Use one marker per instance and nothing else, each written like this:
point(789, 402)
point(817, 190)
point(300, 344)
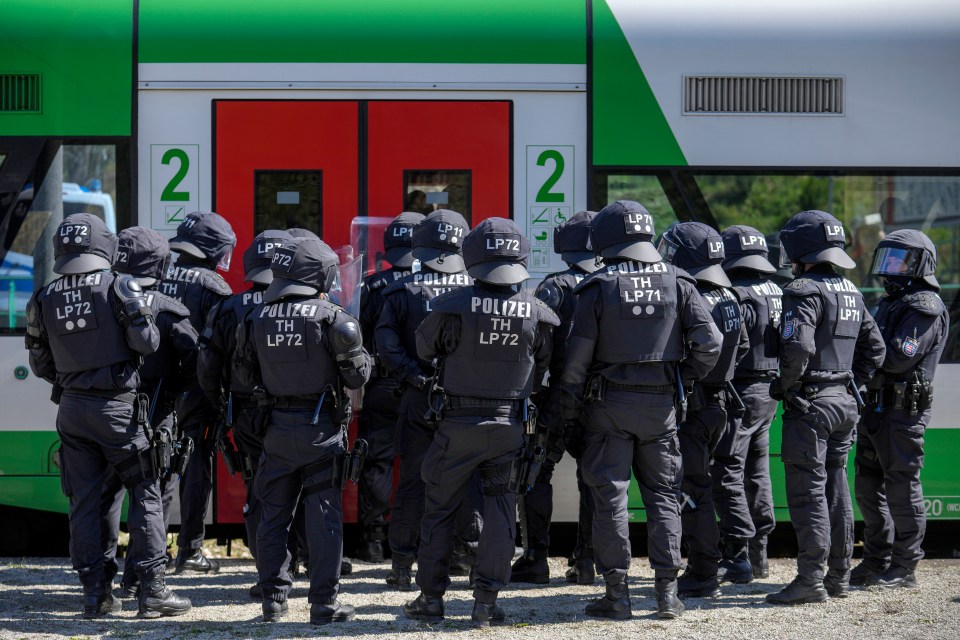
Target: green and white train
point(311, 114)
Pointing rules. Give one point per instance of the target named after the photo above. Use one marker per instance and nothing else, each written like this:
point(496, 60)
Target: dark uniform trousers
point(293, 448)
point(249, 445)
point(197, 483)
point(633, 430)
point(815, 447)
point(113, 503)
point(536, 508)
point(461, 447)
point(741, 465)
point(699, 437)
point(415, 436)
point(97, 434)
point(888, 461)
point(378, 426)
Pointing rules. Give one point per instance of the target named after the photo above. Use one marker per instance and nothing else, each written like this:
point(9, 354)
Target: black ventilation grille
point(19, 93)
point(760, 95)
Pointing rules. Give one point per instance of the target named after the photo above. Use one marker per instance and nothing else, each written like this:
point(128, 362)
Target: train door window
point(427, 190)
point(285, 199)
point(646, 189)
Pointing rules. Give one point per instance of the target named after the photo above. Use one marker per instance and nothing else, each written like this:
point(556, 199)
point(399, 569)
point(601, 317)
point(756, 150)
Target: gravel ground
point(40, 598)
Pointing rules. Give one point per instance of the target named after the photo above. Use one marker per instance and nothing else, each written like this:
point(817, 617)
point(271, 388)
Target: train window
point(285, 199)
point(426, 190)
point(648, 190)
point(81, 178)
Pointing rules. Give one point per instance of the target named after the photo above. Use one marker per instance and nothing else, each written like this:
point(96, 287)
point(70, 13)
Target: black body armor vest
point(83, 329)
point(766, 297)
point(888, 316)
point(294, 361)
point(640, 320)
point(725, 309)
point(165, 361)
point(495, 355)
point(843, 309)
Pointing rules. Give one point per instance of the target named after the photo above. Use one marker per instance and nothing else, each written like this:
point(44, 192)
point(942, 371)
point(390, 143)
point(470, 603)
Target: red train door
point(318, 164)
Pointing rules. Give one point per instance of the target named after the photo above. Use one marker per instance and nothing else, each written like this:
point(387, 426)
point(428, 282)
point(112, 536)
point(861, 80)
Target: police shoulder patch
point(910, 346)
point(215, 282)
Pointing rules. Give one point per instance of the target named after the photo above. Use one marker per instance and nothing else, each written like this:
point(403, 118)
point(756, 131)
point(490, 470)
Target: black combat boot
point(425, 608)
point(691, 585)
point(897, 576)
point(371, 551)
point(758, 558)
point(614, 605)
point(487, 614)
point(837, 583)
point(156, 600)
point(256, 592)
point(128, 591)
point(668, 604)
point(400, 578)
point(332, 612)
point(865, 575)
point(583, 571)
point(275, 607)
point(346, 567)
point(800, 591)
point(98, 600)
point(195, 562)
point(735, 566)
point(531, 568)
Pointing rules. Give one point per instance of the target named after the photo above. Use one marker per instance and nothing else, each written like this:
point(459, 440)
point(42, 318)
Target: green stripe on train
point(413, 31)
point(83, 52)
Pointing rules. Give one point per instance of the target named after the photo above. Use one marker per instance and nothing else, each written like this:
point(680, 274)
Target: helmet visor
point(224, 263)
point(896, 261)
point(784, 261)
point(667, 248)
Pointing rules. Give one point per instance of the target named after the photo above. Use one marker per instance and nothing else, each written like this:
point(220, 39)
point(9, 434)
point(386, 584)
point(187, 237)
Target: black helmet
point(142, 253)
point(696, 248)
point(496, 251)
point(300, 232)
point(82, 244)
point(398, 239)
point(438, 241)
point(572, 241)
point(745, 248)
point(906, 255)
point(206, 236)
point(258, 257)
point(302, 267)
point(624, 229)
point(813, 237)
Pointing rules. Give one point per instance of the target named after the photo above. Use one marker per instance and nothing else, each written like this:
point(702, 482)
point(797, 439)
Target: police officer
point(638, 325)
point(495, 345)
point(378, 421)
point(829, 345)
point(214, 364)
point(304, 351)
point(204, 242)
point(144, 254)
point(571, 240)
point(741, 463)
point(87, 332)
point(698, 249)
point(437, 245)
point(914, 324)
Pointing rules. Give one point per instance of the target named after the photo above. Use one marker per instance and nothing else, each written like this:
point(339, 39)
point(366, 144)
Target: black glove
point(419, 382)
point(776, 389)
point(574, 437)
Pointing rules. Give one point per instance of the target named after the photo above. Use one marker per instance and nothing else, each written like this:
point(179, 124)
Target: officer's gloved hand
point(574, 437)
point(419, 382)
point(776, 389)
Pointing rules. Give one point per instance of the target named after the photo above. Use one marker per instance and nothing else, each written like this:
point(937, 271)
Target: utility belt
point(914, 395)
point(344, 468)
point(703, 395)
point(110, 394)
point(483, 407)
point(165, 455)
point(291, 402)
point(755, 376)
point(639, 388)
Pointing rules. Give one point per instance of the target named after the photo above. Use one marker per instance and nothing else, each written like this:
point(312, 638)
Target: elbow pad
point(134, 309)
point(347, 343)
